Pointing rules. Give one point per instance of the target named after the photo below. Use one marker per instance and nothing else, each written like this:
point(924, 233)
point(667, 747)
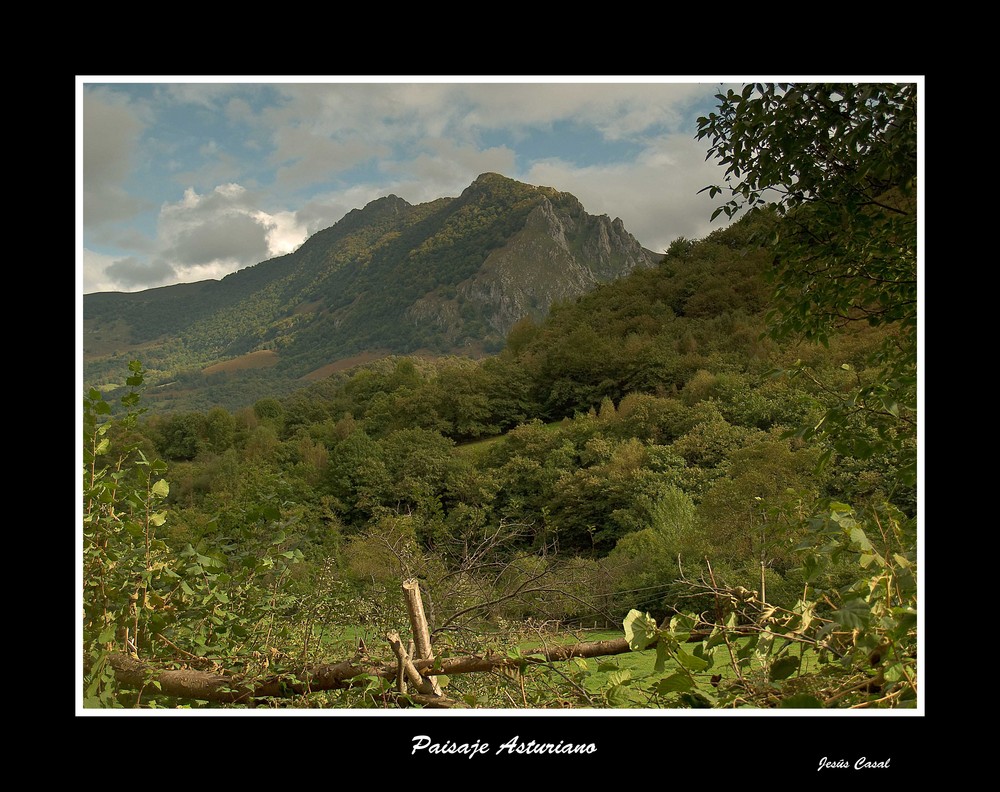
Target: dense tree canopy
point(838, 163)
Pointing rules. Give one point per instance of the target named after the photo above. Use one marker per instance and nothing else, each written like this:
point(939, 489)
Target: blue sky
point(192, 178)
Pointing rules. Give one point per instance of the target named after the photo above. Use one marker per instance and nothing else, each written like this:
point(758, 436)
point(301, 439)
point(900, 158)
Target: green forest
point(693, 487)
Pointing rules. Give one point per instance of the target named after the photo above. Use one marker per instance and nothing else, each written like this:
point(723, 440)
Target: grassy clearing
point(477, 447)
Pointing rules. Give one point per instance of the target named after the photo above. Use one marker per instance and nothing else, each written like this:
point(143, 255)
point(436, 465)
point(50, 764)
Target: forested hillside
point(684, 456)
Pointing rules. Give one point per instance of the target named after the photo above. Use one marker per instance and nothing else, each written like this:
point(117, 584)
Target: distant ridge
point(450, 276)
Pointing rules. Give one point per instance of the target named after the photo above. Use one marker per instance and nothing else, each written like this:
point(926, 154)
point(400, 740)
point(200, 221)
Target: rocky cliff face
point(561, 253)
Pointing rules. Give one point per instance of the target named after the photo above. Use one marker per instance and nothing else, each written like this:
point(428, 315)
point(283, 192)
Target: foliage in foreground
point(145, 599)
point(838, 646)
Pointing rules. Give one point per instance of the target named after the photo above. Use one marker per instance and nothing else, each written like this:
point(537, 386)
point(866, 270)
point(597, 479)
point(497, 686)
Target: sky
point(189, 178)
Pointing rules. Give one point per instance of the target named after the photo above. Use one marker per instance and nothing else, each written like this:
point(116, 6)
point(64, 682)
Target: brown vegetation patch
point(262, 358)
point(102, 338)
point(343, 364)
point(308, 307)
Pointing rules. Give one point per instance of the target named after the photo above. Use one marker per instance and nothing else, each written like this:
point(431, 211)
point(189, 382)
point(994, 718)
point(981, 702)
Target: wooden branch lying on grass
point(224, 688)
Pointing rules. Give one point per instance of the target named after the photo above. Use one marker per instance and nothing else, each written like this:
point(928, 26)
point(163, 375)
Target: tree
point(837, 166)
point(833, 169)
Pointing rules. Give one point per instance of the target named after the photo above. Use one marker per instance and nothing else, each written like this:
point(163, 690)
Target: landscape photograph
point(434, 397)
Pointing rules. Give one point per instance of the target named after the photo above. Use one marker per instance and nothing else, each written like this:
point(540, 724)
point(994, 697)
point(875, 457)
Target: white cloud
point(133, 273)
point(444, 168)
point(203, 94)
point(218, 167)
point(285, 233)
point(656, 196)
point(234, 238)
point(222, 228)
point(304, 157)
point(94, 265)
point(616, 110)
point(200, 236)
point(111, 129)
point(373, 113)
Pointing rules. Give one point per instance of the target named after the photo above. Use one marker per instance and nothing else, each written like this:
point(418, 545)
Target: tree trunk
point(227, 689)
point(418, 623)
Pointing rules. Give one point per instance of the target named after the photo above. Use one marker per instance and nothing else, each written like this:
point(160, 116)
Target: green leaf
point(894, 673)
point(891, 406)
point(764, 644)
point(691, 662)
point(801, 701)
point(708, 655)
point(683, 623)
point(662, 655)
point(716, 638)
point(699, 698)
point(784, 668)
point(748, 648)
point(161, 488)
point(860, 539)
point(906, 618)
point(675, 683)
point(617, 696)
point(640, 630)
point(854, 614)
point(811, 568)
point(619, 677)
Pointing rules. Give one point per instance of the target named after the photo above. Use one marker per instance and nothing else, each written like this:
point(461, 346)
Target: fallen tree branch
point(229, 689)
point(406, 666)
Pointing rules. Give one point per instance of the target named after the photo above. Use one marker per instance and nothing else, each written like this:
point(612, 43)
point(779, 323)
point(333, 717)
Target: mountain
point(448, 276)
